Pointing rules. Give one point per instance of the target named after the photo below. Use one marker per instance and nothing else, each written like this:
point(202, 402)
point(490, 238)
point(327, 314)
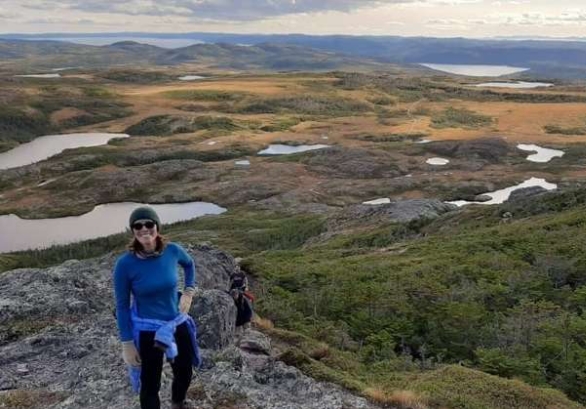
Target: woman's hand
point(186, 300)
point(130, 354)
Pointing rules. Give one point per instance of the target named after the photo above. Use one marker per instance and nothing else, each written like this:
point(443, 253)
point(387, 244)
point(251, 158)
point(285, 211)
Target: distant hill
point(265, 56)
point(555, 58)
point(544, 57)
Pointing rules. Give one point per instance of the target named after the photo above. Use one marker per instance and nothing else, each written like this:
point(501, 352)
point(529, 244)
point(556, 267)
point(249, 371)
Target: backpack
point(244, 311)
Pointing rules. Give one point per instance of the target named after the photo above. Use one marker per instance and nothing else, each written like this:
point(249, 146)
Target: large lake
point(475, 70)
point(39, 75)
point(516, 85)
point(50, 145)
point(159, 42)
point(103, 220)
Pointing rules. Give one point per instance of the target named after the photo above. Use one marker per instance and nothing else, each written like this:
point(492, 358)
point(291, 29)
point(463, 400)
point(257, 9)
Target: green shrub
point(381, 100)
point(305, 105)
point(138, 77)
point(30, 398)
point(396, 137)
point(459, 118)
point(556, 129)
point(164, 125)
point(281, 125)
point(205, 95)
point(18, 126)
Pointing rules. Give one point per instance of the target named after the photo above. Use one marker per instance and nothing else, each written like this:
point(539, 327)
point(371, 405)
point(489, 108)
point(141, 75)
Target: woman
point(156, 322)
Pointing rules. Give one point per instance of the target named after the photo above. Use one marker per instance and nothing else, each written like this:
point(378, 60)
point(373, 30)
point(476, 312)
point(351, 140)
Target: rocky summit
point(59, 346)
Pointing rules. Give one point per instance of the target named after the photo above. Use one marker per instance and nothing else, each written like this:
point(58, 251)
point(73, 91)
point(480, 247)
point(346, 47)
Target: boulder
point(491, 150)
point(215, 312)
point(482, 198)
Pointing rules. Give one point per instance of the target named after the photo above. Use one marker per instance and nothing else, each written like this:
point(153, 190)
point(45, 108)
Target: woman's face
point(145, 231)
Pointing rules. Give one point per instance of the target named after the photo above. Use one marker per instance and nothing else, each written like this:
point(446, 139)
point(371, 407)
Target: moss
point(281, 125)
point(18, 329)
point(30, 398)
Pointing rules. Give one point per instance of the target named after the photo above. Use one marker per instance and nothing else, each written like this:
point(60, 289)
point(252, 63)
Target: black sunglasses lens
point(139, 226)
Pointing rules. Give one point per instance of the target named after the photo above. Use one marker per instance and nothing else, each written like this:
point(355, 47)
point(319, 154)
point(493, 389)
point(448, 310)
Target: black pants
point(152, 367)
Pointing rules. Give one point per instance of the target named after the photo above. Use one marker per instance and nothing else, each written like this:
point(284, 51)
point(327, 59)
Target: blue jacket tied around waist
point(165, 335)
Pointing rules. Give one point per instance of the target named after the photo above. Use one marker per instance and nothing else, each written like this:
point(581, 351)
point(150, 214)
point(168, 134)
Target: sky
point(437, 18)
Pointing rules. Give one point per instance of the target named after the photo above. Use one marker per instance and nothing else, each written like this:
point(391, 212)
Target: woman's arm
point(122, 295)
point(186, 261)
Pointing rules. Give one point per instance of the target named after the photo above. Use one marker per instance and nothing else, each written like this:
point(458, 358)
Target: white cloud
point(230, 10)
point(474, 18)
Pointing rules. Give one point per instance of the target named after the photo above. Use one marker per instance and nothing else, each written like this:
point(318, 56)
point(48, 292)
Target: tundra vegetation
point(458, 311)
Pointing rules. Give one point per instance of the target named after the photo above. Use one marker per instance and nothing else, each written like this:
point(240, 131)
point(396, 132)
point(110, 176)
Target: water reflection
point(191, 77)
point(103, 220)
point(39, 75)
point(474, 70)
point(437, 161)
point(541, 155)
point(279, 149)
point(516, 85)
point(50, 145)
point(500, 196)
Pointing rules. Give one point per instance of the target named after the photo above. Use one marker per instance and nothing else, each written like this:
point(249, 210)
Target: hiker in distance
point(152, 317)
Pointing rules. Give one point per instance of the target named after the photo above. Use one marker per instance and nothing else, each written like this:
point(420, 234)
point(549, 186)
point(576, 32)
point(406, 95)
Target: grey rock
point(399, 211)
point(526, 192)
point(354, 163)
point(277, 386)
point(491, 150)
point(213, 266)
point(216, 316)
point(68, 343)
point(255, 342)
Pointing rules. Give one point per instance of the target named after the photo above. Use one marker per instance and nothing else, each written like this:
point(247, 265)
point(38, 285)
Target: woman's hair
point(135, 246)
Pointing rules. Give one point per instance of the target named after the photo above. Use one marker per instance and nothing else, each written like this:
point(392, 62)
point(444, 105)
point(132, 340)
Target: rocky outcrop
point(59, 345)
point(400, 211)
point(341, 162)
point(491, 150)
point(527, 192)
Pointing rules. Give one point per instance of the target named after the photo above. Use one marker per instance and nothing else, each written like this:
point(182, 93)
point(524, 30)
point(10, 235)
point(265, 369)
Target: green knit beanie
point(144, 212)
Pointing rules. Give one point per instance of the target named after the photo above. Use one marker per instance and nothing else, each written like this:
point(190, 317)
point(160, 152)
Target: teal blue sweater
point(153, 285)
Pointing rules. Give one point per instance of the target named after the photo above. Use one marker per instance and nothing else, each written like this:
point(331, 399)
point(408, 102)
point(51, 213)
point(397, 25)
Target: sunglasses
point(139, 225)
